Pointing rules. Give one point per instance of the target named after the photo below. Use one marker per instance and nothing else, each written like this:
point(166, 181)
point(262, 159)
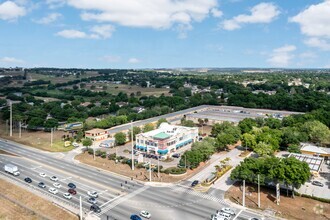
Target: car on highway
point(95, 208)
point(194, 183)
point(91, 200)
point(42, 174)
point(72, 191)
point(145, 214)
point(57, 185)
point(72, 186)
point(317, 183)
point(228, 210)
point(28, 180)
point(67, 196)
point(54, 178)
point(53, 190)
point(41, 185)
point(135, 217)
point(93, 194)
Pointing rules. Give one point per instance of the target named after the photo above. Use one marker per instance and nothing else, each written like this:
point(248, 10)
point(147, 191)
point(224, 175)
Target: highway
point(177, 201)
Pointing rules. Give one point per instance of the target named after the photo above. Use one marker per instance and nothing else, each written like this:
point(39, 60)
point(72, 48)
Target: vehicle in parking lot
point(72, 186)
point(194, 183)
point(57, 185)
point(41, 185)
point(228, 210)
point(28, 180)
point(67, 196)
point(91, 200)
point(93, 194)
point(223, 214)
point(135, 217)
point(75, 144)
point(42, 174)
point(72, 191)
point(317, 183)
point(176, 155)
point(145, 214)
point(254, 218)
point(95, 208)
point(53, 191)
point(53, 178)
point(215, 217)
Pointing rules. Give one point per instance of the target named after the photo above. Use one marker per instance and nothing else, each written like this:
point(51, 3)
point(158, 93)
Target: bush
point(175, 170)
point(98, 153)
point(313, 197)
point(112, 156)
point(104, 154)
point(90, 151)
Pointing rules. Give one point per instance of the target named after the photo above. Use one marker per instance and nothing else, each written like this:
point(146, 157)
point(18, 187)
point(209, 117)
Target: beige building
point(96, 134)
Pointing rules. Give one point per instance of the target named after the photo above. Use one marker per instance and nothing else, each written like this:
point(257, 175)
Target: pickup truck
point(12, 169)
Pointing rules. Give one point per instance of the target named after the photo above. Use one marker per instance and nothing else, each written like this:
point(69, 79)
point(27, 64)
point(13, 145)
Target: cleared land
point(37, 139)
point(17, 203)
point(289, 208)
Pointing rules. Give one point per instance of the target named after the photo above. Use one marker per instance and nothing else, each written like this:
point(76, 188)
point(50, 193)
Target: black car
point(72, 186)
point(176, 155)
point(28, 180)
point(95, 208)
point(42, 185)
point(317, 183)
point(194, 183)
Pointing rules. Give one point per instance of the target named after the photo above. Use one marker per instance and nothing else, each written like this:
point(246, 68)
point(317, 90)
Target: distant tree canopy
point(120, 138)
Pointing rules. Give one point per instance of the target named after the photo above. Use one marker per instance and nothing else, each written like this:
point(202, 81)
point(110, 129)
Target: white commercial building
point(166, 139)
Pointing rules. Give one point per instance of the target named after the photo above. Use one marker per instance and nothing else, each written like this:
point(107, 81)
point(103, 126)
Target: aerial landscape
point(164, 109)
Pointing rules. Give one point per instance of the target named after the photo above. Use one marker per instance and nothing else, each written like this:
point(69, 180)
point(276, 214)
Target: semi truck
point(12, 169)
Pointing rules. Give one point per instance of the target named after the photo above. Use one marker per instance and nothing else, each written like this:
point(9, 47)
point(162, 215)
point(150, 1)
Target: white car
point(53, 191)
point(75, 144)
point(57, 185)
point(145, 214)
point(228, 210)
point(93, 194)
point(67, 196)
point(54, 178)
point(92, 200)
point(223, 214)
point(42, 174)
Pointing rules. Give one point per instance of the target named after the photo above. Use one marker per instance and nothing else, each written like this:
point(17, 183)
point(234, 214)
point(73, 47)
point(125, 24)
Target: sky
point(165, 33)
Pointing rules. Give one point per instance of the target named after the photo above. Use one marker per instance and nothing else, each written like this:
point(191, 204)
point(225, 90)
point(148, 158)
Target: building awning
point(163, 151)
point(141, 147)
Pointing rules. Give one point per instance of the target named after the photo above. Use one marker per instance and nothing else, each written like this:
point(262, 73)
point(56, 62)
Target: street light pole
point(80, 210)
point(132, 145)
point(20, 129)
point(258, 191)
point(51, 137)
point(11, 119)
point(158, 167)
point(149, 170)
point(243, 193)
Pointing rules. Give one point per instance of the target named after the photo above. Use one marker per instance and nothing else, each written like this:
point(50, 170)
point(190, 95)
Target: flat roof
point(95, 130)
point(161, 135)
point(314, 163)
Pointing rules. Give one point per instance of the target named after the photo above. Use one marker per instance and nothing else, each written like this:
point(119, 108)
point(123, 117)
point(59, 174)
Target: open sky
point(165, 33)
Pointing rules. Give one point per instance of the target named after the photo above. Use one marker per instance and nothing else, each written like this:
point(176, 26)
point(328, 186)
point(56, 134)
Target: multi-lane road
point(117, 199)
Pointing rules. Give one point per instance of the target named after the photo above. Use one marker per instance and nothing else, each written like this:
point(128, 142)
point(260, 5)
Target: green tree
point(294, 148)
point(161, 120)
point(148, 127)
point(246, 125)
point(87, 142)
point(263, 149)
point(51, 123)
point(248, 141)
point(223, 140)
point(120, 138)
point(136, 130)
point(187, 123)
point(317, 132)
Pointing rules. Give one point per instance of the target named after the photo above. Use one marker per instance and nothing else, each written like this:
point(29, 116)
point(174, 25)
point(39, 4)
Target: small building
point(166, 139)
point(310, 149)
point(108, 143)
point(96, 134)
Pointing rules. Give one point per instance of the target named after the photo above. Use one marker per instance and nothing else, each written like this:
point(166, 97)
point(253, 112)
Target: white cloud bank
point(11, 60)
point(96, 32)
point(282, 56)
point(261, 13)
point(134, 60)
point(314, 22)
point(50, 18)
point(10, 11)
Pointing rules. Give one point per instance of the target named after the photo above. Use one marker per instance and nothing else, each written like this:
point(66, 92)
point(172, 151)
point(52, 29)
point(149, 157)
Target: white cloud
point(308, 55)
point(134, 60)
point(52, 4)
point(261, 13)
point(216, 12)
point(11, 60)
point(314, 22)
point(96, 32)
point(103, 31)
point(50, 18)
point(282, 56)
point(156, 14)
point(72, 34)
point(111, 59)
point(9, 11)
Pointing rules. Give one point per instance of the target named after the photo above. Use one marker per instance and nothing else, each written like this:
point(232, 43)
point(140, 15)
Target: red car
point(72, 191)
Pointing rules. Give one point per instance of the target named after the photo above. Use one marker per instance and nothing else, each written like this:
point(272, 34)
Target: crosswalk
point(184, 189)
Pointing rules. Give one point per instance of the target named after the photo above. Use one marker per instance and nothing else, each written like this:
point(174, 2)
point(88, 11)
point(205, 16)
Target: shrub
point(90, 151)
point(104, 154)
point(98, 153)
point(112, 156)
point(175, 170)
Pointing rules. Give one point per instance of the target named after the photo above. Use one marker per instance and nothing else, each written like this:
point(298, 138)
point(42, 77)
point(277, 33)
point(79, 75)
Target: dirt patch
point(17, 203)
point(289, 208)
point(139, 174)
point(6, 153)
point(36, 139)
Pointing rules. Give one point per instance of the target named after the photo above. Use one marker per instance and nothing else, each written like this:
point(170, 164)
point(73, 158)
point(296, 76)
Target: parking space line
point(238, 214)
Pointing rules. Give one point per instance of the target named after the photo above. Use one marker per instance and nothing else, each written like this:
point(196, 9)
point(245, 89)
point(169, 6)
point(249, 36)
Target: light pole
point(158, 167)
point(243, 193)
point(51, 137)
point(20, 129)
point(258, 191)
point(132, 145)
point(11, 119)
point(80, 208)
point(149, 170)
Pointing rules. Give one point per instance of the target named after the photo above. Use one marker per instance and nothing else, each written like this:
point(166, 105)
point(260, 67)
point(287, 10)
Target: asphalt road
point(174, 202)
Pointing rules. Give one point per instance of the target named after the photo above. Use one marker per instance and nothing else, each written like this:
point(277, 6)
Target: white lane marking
point(34, 168)
point(66, 178)
point(238, 214)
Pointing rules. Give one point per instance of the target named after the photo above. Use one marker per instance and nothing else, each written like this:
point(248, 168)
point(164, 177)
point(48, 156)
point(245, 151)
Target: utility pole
point(51, 136)
point(80, 203)
point(258, 191)
point(132, 145)
point(11, 119)
point(20, 129)
point(149, 170)
point(243, 193)
point(93, 152)
point(158, 167)
point(185, 161)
